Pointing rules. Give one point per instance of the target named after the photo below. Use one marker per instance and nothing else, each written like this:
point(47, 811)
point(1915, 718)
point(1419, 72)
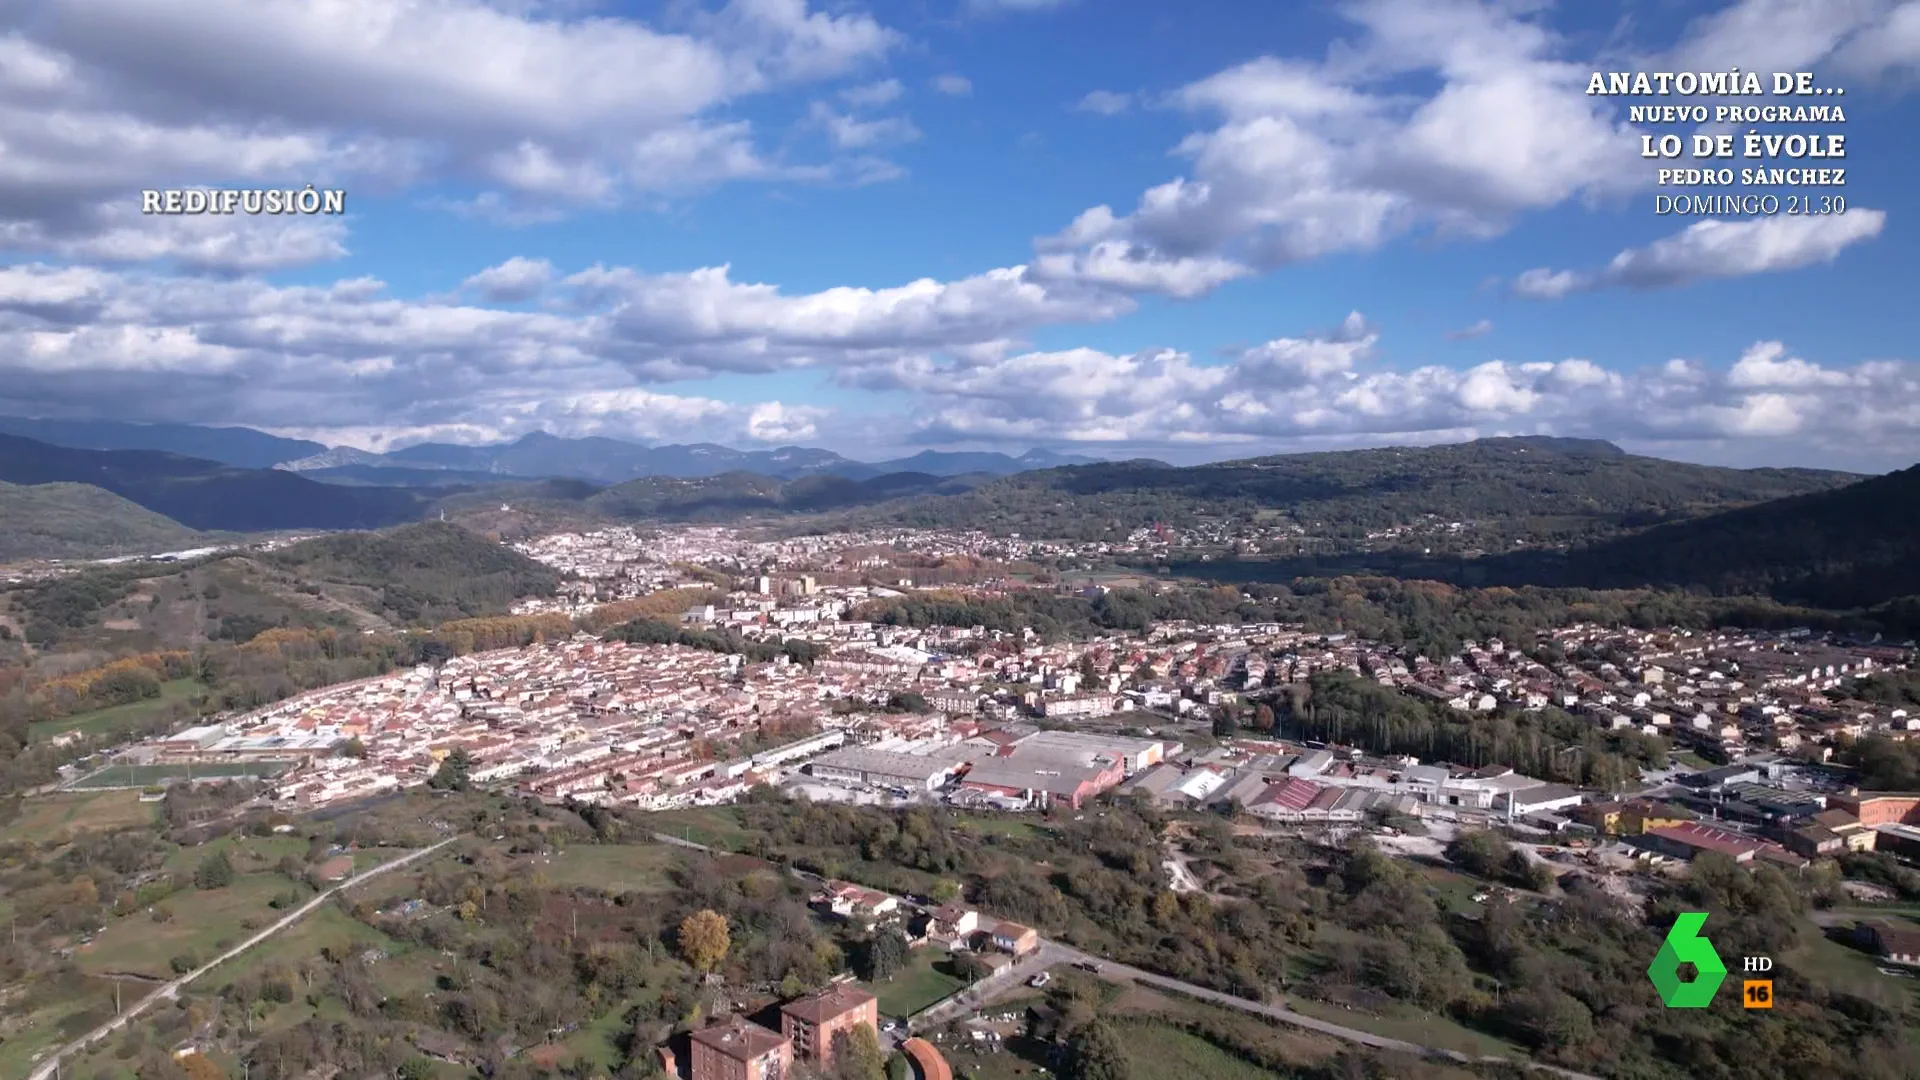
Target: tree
point(214, 872)
point(886, 955)
point(1095, 1053)
point(857, 1054)
point(352, 748)
point(704, 940)
point(201, 1067)
point(452, 773)
point(1224, 726)
point(1263, 717)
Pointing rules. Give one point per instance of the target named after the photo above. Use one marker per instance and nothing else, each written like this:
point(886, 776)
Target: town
point(1183, 713)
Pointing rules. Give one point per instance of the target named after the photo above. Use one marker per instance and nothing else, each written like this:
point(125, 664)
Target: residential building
point(815, 1023)
point(1011, 937)
point(737, 1049)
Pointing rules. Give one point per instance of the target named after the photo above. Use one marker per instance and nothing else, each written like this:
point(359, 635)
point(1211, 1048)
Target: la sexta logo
point(1686, 945)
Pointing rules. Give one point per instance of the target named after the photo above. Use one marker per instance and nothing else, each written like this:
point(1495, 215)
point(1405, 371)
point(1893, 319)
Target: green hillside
point(79, 521)
point(1545, 490)
point(1855, 547)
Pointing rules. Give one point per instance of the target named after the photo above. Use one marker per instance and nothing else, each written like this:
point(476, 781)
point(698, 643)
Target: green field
point(1007, 828)
point(1164, 1052)
point(55, 818)
point(1398, 1021)
point(204, 922)
point(714, 826)
point(617, 868)
point(248, 853)
point(24, 1035)
point(130, 776)
point(917, 985)
point(105, 721)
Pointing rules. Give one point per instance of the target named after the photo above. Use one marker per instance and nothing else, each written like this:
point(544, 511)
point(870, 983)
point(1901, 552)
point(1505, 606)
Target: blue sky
point(1110, 228)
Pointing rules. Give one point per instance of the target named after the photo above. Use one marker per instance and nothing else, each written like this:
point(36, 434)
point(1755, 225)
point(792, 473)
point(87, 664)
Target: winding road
point(49, 1065)
point(1051, 953)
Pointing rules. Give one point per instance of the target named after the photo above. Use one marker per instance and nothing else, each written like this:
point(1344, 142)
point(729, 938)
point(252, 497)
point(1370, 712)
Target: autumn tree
point(857, 1054)
point(704, 940)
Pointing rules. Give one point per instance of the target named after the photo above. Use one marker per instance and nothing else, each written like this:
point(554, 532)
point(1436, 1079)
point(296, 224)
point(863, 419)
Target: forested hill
point(428, 572)
point(203, 494)
point(1546, 489)
point(79, 521)
point(1855, 547)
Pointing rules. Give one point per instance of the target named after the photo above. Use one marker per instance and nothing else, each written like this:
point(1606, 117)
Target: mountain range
point(202, 494)
point(240, 446)
point(1493, 511)
point(613, 461)
point(535, 456)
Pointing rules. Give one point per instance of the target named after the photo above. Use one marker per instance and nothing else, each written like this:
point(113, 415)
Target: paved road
point(1053, 953)
point(168, 991)
point(1111, 970)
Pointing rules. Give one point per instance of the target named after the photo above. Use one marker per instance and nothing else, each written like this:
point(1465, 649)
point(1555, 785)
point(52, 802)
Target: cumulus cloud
point(1348, 152)
point(984, 7)
point(351, 356)
point(852, 133)
point(1312, 158)
point(953, 85)
point(516, 279)
point(872, 94)
point(546, 107)
point(1330, 389)
point(1468, 333)
point(1105, 102)
point(1715, 249)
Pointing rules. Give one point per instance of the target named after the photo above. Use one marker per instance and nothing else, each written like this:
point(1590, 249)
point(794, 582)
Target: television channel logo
point(1686, 945)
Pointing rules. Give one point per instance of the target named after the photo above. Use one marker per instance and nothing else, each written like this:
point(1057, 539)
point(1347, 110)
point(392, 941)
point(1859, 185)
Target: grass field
point(326, 928)
point(1002, 827)
point(917, 986)
point(202, 921)
point(617, 868)
point(128, 776)
point(48, 819)
point(105, 721)
point(25, 1035)
point(248, 853)
point(1411, 1024)
point(1164, 1052)
point(714, 826)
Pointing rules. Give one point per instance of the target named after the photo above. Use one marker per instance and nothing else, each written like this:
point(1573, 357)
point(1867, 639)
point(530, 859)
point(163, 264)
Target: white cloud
point(1715, 249)
point(1468, 333)
point(1134, 268)
point(543, 107)
point(984, 7)
point(952, 85)
point(852, 133)
point(512, 281)
point(1327, 390)
point(1313, 158)
point(1105, 102)
point(872, 94)
point(350, 356)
